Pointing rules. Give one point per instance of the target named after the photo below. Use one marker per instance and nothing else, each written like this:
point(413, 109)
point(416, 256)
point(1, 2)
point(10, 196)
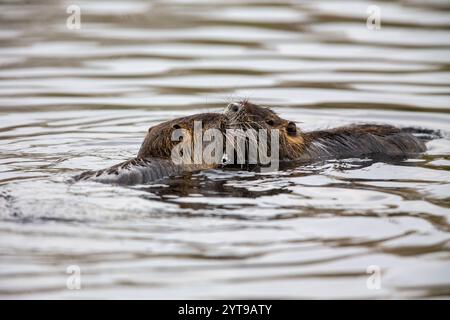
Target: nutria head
point(158, 141)
point(245, 115)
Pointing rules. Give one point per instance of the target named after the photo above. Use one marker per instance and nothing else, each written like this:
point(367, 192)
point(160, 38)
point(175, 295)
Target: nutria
point(154, 159)
point(357, 140)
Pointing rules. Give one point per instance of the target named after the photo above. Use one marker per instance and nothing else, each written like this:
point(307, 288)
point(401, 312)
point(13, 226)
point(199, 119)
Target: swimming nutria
point(154, 159)
point(358, 140)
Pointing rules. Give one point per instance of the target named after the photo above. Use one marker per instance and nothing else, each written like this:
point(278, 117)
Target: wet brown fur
point(252, 116)
point(153, 161)
point(158, 141)
point(343, 142)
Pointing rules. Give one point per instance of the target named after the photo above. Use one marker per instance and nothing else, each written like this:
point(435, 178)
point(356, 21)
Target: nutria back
point(361, 141)
point(139, 171)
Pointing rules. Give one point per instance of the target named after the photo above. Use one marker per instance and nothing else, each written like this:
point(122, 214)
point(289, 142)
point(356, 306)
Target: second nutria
point(159, 143)
point(358, 140)
point(154, 160)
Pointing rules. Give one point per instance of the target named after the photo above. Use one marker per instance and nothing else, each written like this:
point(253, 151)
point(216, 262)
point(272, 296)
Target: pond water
point(77, 99)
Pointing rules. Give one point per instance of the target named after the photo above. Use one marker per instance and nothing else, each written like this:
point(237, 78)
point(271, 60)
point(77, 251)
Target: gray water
point(72, 100)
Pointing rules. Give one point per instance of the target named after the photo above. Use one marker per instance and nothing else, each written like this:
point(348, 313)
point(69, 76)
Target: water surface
point(72, 100)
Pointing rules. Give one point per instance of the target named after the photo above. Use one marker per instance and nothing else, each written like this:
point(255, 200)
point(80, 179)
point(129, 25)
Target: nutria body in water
point(154, 161)
point(353, 141)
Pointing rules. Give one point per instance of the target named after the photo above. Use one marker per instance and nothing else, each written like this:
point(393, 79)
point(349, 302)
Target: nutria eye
point(291, 128)
point(176, 126)
point(233, 107)
point(269, 122)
